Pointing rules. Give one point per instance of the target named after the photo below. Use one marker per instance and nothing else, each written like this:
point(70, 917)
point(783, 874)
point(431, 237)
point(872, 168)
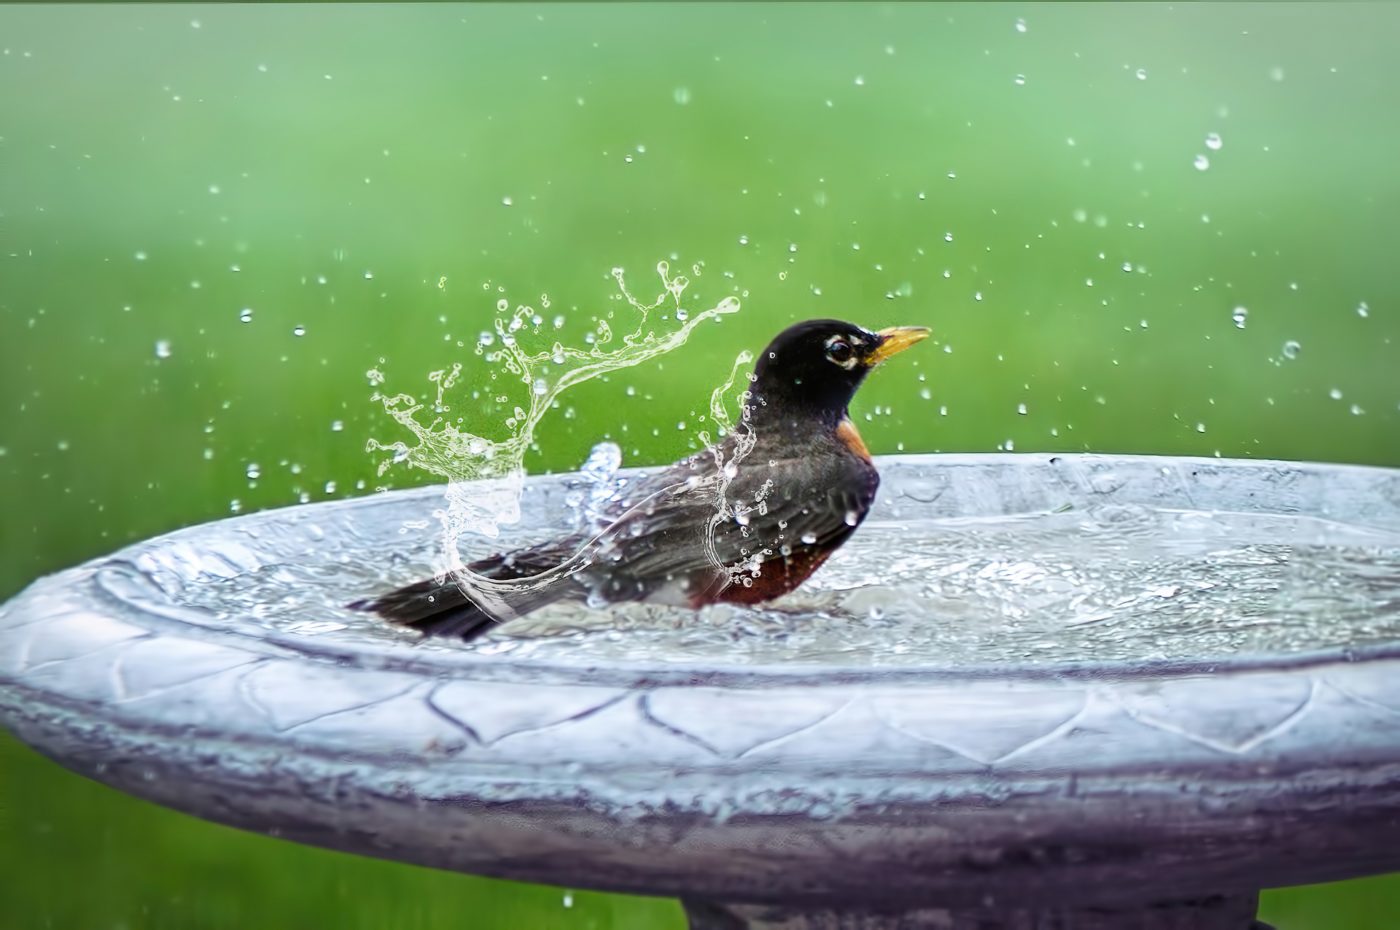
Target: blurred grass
point(345, 169)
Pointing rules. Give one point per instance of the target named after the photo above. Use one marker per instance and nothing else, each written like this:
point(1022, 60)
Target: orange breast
point(776, 577)
point(846, 432)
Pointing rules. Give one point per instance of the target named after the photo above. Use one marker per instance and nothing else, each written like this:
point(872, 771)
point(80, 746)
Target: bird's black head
point(814, 368)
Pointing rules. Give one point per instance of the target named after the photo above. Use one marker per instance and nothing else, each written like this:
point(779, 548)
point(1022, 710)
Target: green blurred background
point(1039, 183)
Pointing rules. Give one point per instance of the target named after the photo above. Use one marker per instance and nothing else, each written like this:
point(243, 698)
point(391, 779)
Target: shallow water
point(1116, 582)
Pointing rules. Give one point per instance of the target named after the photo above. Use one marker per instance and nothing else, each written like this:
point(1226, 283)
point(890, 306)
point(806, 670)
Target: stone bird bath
point(1146, 758)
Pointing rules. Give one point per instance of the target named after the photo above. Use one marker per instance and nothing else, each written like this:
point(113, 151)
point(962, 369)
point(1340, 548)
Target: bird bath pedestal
point(1078, 788)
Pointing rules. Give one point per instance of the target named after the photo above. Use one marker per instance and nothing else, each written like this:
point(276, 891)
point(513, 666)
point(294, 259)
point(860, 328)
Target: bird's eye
point(839, 351)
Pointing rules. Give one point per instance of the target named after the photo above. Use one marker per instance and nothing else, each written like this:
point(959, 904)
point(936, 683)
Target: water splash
point(598, 478)
point(485, 474)
point(727, 469)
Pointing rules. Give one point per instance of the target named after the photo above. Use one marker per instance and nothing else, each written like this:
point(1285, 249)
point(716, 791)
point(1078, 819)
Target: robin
point(742, 522)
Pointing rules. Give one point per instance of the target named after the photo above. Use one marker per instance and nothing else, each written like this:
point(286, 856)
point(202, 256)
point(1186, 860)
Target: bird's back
point(732, 523)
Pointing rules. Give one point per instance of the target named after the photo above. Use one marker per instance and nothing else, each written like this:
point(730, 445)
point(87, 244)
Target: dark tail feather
point(442, 608)
point(434, 608)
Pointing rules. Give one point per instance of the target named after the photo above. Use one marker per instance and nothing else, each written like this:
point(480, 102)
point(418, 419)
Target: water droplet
point(568, 899)
point(337, 425)
point(506, 201)
point(743, 240)
point(1019, 80)
point(1362, 310)
point(162, 348)
point(1020, 25)
point(1021, 409)
point(681, 95)
point(213, 188)
point(682, 314)
point(254, 472)
point(1356, 410)
point(1201, 163)
point(792, 246)
point(1291, 348)
point(809, 539)
point(1335, 393)
point(1240, 316)
point(860, 80)
point(1276, 73)
point(1200, 427)
point(298, 330)
point(1141, 74)
point(1213, 141)
point(330, 487)
point(140, 256)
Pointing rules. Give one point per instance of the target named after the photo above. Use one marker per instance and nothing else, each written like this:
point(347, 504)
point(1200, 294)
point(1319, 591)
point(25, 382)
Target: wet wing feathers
point(680, 532)
point(669, 533)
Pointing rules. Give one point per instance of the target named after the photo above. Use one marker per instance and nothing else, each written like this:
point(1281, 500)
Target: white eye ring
point(840, 351)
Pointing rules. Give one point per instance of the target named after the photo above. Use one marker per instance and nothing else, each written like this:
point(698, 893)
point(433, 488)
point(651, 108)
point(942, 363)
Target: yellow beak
point(895, 340)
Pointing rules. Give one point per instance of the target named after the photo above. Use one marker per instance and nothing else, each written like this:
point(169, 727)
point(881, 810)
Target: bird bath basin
point(1033, 691)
